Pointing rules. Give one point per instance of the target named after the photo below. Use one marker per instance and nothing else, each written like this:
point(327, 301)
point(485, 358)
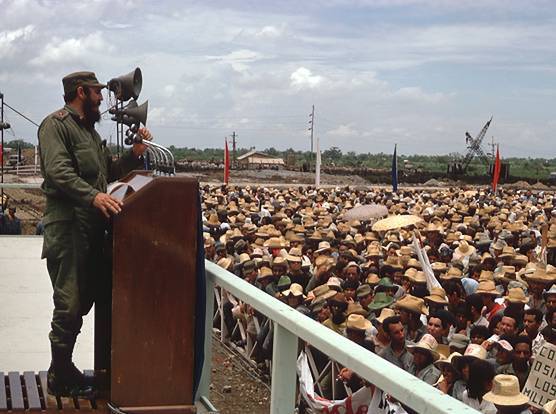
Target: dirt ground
point(235, 387)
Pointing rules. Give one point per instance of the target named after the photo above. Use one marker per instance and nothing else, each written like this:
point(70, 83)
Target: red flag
point(496, 172)
point(226, 162)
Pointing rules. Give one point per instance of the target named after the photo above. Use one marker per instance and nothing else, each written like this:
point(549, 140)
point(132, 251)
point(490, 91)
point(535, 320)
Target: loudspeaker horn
point(138, 113)
point(127, 86)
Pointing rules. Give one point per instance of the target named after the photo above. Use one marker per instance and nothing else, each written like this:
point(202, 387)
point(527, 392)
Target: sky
point(418, 74)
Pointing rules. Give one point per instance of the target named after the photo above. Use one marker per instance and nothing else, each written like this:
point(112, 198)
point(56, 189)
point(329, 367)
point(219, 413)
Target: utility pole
point(312, 129)
point(2, 126)
point(234, 149)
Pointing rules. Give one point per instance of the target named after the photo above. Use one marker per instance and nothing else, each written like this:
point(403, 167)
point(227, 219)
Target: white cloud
point(269, 32)
point(303, 78)
point(344, 130)
point(69, 50)
point(417, 94)
point(238, 59)
point(10, 38)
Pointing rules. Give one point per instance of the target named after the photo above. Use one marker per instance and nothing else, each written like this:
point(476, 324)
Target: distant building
point(254, 160)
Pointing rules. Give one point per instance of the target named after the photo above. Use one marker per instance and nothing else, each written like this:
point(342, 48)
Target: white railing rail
point(289, 325)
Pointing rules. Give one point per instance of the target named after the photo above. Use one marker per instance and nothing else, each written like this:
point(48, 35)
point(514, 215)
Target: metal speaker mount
point(127, 86)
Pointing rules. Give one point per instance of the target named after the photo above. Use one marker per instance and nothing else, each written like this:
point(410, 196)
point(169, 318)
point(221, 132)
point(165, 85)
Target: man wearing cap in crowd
point(424, 355)
point(77, 166)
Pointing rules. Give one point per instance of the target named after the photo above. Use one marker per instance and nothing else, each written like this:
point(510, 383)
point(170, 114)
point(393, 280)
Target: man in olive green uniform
point(77, 166)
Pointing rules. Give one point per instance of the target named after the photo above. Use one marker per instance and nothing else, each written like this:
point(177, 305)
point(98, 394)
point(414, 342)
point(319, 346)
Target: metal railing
point(289, 325)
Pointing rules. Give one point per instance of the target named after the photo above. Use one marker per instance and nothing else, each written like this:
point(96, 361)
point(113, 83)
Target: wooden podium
point(153, 295)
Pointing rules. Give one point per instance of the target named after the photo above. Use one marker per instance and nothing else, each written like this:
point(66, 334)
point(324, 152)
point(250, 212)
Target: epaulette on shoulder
point(60, 114)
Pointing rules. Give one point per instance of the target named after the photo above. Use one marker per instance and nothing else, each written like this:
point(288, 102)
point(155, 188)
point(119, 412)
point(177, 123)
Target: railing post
point(284, 359)
point(204, 383)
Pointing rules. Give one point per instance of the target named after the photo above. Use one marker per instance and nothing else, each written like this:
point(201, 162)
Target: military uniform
point(76, 165)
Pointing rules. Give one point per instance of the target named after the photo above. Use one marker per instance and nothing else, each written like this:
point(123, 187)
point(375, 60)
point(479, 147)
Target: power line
point(21, 115)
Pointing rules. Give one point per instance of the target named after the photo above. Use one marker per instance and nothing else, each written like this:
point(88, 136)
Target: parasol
point(396, 222)
point(366, 212)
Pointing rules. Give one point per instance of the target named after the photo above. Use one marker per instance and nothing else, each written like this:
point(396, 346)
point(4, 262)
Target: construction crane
point(475, 149)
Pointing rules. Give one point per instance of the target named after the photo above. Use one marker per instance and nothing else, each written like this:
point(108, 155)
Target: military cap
point(72, 81)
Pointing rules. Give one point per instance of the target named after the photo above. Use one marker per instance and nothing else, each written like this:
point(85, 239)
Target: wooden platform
point(27, 392)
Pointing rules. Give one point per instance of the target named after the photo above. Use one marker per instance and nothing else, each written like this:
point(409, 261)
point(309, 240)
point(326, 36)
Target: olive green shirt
point(76, 165)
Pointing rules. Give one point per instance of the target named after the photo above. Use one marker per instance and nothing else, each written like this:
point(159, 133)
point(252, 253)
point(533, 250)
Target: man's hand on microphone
point(139, 148)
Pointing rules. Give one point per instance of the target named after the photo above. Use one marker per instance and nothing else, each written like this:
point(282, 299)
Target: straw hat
point(486, 275)
point(473, 351)
point(413, 263)
point(225, 262)
point(516, 295)
point(487, 287)
point(452, 273)
point(507, 252)
point(358, 322)
point(438, 295)
point(549, 407)
point(356, 308)
point(463, 250)
point(334, 283)
point(505, 273)
point(322, 293)
point(540, 275)
point(418, 278)
point(294, 255)
point(439, 266)
point(385, 313)
point(406, 251)
point(412, 304)
point(274, 243)
point(505, 391)
point(294, 290)
point(393, 261)
point(410, 273)
point(372, 279)
point(426, 343)
point(447, 361)
point(264, 272)
point(323, 246)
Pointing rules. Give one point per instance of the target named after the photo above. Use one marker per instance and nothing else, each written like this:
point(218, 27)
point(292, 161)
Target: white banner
point(541, 383)
point(425, 264)
point(367, 400)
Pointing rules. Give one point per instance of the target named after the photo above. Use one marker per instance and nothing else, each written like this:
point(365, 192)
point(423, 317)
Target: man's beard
point(90, 111)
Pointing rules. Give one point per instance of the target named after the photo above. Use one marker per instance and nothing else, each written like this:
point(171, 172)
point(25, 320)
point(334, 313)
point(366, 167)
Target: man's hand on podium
point(139, 148)
point(107, 204)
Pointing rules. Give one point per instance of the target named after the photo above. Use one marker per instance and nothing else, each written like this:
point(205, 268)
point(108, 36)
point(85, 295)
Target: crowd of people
point(464, 299)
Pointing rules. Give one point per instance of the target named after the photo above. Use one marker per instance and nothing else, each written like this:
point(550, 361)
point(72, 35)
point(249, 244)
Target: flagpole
point(395, 170)
point(317, 164)
point(226, 162)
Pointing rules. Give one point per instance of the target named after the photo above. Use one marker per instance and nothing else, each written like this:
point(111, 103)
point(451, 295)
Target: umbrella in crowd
point(366, 212)
point(396, 222)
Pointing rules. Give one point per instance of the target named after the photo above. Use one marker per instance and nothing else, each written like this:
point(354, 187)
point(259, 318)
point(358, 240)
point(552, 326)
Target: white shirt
point(484, 406)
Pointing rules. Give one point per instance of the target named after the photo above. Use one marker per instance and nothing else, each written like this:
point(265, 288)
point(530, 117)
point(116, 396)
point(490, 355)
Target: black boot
point(63, 379)
point(76, 375)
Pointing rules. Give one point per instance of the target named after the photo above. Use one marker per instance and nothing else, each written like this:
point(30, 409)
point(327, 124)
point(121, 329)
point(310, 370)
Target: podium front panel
point(153, 301)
